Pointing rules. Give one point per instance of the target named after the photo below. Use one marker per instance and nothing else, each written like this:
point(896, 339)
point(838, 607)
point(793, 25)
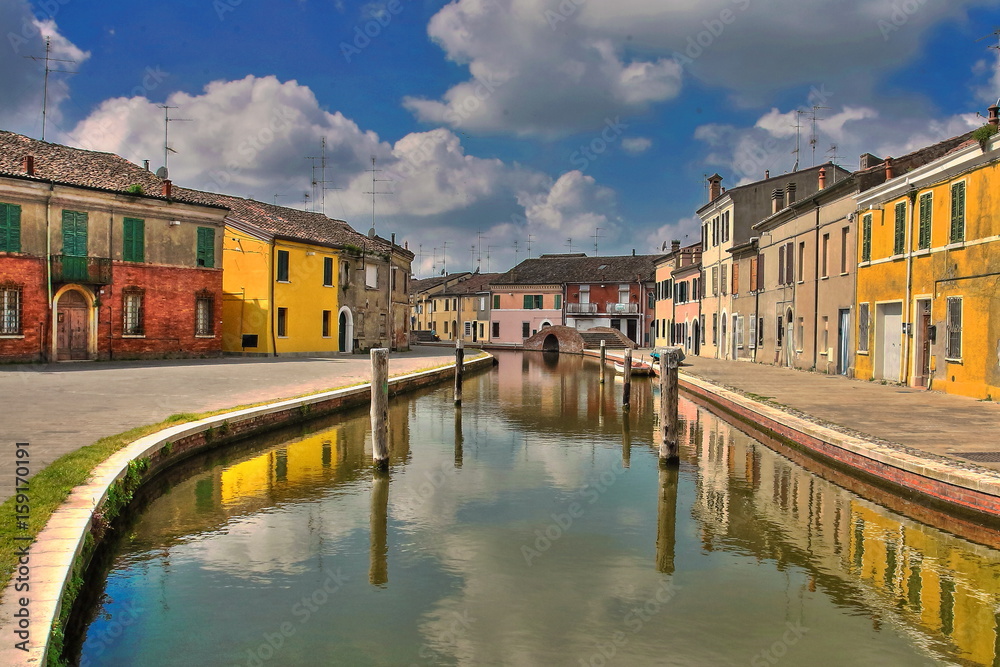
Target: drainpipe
point(816, 299)
point(271, 306)
point(48, 270)
point(909, 289)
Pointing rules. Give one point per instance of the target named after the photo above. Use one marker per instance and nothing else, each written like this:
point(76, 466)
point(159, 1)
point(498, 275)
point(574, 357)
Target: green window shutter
point(206, 247)
point(924, 237)
point(496, 301)
point(10, 228)
point(958, 213)
point(134, 241)
point(74, 234)
point(528, 301)
point(866, 239)
point(899, 243)
point(558, 301)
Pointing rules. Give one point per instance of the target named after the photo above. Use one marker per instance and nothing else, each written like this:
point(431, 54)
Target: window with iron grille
point(468, 328)
point(899, 237)
point(954, 326)
point(10, 310)
point(132, 307)
point(924, 232)
point(866, 238)
point(958, 212)
point(204, 314)
point(864, 326)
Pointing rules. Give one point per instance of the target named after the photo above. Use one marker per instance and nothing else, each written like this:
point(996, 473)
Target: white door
point(889, 321)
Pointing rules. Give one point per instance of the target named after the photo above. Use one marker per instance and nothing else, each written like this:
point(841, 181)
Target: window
point(954, 326)
point(826, 255)
point(371, 276)
point(525, 330)
point(532, 301)
point(752, 284)
point(495, 329)
point(899, 235)
point(328, 272)
point(446, 326)
point(752, 334)
point(468, 329)
point(715, 281)
point(206, 247)
point(924, 229)
point(420, 309)
point(10, 310)
point(74, 229)
point(702, 327)
point(725, 226)
point(447, 305)
point(802, 261)
point(715, 328)
point(825, 349)
point(345, 274)
point(725, 282)
point(204, 315)
point(132, 311)
point(864, 325)
point(958, 212)
point(282, 266)
point(482, 303)
point(558, 301)
point(10, 228)
point(779, 331)
point(802, 332)
point(739, 331)
point(760, 332)
point(844, 245)
point(496, 301)
point(133, 240)
point(866, 238)
point(715, 231)
point(736, 279)
point(282, 322)
point(326, 323)
point(651, 301)
point(482, 330)
point(454, 305)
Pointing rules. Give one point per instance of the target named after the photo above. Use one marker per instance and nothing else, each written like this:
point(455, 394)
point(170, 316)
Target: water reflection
point(535, 526)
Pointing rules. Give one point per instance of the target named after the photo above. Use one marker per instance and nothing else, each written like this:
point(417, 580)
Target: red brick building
point(100, 259)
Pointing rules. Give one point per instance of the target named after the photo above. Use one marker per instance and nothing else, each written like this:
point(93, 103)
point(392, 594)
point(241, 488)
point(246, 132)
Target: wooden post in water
point(604, 359)
point(627, 393)
point(669, 362)
point(626, 442)
point(459, 358)
point(380, 407)
point(459, 439)
point(378, 566)
point(666, 523)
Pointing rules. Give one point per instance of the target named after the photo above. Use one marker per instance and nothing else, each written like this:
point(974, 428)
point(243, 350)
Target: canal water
point(532, 527)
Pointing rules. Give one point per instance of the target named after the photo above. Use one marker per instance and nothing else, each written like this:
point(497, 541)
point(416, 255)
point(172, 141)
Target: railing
point(622, 308)
point(93, 270)
point(581, 308)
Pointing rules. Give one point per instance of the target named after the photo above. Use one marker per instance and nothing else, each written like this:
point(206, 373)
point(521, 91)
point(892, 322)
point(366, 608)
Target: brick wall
point(169, 312)
point(30, 274)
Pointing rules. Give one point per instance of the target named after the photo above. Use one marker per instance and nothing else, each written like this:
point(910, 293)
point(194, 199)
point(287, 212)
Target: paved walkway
point(929, 421)
point(61, 407)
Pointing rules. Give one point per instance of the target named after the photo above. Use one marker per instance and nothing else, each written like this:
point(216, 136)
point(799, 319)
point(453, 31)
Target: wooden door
point(72, 328)
point(923, 343)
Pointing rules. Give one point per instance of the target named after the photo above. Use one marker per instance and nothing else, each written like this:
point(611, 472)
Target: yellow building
point(928, 280)
point(299, 283)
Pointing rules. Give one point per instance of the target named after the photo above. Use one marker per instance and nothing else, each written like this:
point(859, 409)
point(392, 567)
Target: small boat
point(638, 368)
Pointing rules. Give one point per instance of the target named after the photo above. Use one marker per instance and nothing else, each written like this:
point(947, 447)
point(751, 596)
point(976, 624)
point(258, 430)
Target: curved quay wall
point(63, 548)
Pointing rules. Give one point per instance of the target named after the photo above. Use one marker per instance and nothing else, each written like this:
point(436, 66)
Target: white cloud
point(21, 78)
point(249, 138)
point(636, 145)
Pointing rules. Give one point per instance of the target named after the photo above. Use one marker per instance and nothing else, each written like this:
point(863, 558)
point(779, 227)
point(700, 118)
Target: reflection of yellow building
point(300, 462)
point(936, 584)
point(929, 261)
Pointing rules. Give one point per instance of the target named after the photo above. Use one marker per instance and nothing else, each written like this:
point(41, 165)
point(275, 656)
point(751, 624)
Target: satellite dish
point(663, 248)
point(442, 272)
point(162, 173)
point(371, 233)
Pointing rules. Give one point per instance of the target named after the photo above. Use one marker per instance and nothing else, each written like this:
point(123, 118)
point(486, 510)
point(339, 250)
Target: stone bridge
point(556, 339)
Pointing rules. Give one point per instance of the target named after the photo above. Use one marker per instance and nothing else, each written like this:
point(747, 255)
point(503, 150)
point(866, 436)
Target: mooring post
point(604, 358)
point(666, 524)
point(627, 393)
point(459, 358)
point(459, 439)
point(626, 442)
point(380, 407)
point(378, 566)
point(669, 361)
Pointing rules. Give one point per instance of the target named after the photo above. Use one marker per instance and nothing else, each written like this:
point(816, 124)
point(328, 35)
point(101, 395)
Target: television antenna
point(812, 138)
point(488, 267)
point(319, 185)
point(374, 192)
point(48, 70)
point(167, 120)
point(516, 250)
point(596, 237)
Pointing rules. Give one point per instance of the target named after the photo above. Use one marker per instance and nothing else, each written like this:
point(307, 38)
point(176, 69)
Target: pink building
point(519, 311)
point(688, 330)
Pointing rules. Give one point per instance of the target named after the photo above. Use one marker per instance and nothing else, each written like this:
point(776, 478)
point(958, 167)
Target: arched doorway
point(346, 330)
point(73, 326)
point(550, 344)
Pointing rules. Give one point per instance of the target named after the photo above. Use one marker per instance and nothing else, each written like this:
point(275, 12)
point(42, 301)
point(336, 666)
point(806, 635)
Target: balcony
point(622, 308)
point(92, 270)
point(581, 308)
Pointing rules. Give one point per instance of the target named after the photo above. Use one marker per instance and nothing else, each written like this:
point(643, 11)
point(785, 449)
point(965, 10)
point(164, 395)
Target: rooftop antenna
point(995, 33)
point(434, 261)
point(305, 201)
point(832, 153)
point(276, 195)
point(420, 254)
point(488, 248)
point(812, 139)
point(472, 251)
point(444, 260)
point(798, 127)
point(596, 237)
point(48, 70)
point(167, 120)
point(374, 192)
point(319, 185)
point(569, 244)
point(516, 250)
point(530, 236)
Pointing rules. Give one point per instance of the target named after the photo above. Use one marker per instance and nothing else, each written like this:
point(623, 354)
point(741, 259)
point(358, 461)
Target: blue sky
point(509, 118)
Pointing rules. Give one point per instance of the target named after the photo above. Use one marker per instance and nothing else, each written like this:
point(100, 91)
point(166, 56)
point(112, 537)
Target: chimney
point(393, 236)
point(868, 161)
point(28, 165)
point(166, 188)
point(633, 252)
point(994, 118)
point(714, 187)
point(822, 178)
point(145, 165)
point(675, 245)
point(777, 200)
point(790, 189)
point(767, 174)
point(889, 173)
